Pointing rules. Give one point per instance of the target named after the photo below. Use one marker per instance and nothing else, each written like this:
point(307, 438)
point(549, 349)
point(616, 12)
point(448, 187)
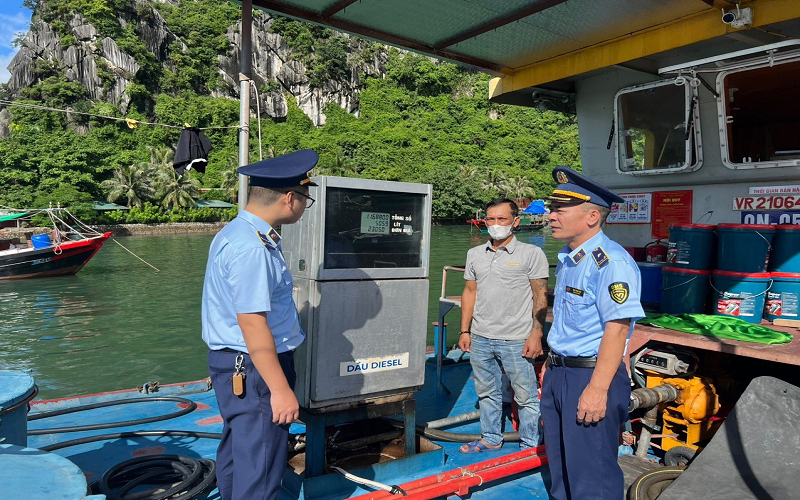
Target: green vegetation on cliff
point(423, 122)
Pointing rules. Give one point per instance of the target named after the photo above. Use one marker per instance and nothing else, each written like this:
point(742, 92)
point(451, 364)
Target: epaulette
point(579, 256)
point(600, 257)
point(267, 241)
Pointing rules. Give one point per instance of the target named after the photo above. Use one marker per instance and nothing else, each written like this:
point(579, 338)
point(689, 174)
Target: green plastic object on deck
point(722, 327)
point(4, 218)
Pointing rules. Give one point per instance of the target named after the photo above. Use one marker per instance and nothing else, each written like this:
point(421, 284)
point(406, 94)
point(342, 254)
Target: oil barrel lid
point(683, 270)
point(752, 227)
point(37, 475)
point(737, 274)
point(687, 225)
point(785, 275)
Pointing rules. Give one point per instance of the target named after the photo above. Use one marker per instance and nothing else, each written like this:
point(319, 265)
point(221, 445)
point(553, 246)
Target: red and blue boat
point(62, 251)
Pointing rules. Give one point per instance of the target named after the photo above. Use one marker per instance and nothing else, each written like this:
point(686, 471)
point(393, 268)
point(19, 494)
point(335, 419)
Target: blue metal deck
point(95, 458)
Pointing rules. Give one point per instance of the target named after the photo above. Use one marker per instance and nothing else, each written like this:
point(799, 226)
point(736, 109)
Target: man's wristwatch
point(465, 331)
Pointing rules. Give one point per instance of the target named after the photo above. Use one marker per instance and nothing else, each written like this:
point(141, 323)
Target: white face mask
point(498, 232)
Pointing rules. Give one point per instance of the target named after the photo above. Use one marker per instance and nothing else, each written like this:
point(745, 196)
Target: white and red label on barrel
point(782, 304)
point(781, 202)
point(737, 304)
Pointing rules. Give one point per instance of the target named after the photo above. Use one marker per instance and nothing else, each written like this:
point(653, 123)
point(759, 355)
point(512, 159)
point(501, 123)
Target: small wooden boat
point(66, 251)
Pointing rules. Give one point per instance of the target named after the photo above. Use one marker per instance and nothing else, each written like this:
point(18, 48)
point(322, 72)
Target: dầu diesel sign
point(372, 365)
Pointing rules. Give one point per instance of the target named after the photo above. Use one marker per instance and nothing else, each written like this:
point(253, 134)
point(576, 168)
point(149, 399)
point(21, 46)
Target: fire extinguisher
point(655, 251)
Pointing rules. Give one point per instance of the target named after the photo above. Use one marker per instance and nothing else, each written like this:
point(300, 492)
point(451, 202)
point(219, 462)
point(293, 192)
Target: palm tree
point(273, 152)
point(230, 178)
point(343, 167)
point(176, 191)
point(495, 179)
point(161, 158)
point(131, 182)
point(519, 187)
point(467, 171)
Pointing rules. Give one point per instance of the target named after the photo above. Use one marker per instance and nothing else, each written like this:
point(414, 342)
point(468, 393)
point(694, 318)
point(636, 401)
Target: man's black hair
point(500, 201)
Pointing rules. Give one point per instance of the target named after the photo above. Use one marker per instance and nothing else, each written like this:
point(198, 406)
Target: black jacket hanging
point(192, 151)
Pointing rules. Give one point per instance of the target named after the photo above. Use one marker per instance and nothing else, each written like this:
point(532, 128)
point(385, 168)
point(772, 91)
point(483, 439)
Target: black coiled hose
point(190, 407)
point(174, 476)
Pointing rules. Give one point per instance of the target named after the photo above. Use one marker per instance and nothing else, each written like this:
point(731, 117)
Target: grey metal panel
point(304, 241)
point(714, 186)
point(356, 320)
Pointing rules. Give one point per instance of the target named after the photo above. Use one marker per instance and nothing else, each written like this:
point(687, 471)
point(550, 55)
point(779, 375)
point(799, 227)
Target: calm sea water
point(118, 323)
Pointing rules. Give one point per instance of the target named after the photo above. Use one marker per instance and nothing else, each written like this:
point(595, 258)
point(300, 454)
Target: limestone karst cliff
point(108, 68)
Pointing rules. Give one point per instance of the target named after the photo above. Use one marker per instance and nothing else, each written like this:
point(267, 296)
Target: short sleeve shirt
point(246, 273)
point(504, 302)
point(595, 283)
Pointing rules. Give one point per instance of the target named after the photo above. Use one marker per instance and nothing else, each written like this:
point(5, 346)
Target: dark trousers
point(252, 454)
point(583, 458)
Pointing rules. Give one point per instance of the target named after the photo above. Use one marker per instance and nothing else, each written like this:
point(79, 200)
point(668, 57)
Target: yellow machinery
point(688, 420)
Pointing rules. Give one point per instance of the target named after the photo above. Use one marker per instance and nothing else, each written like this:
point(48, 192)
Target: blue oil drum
point(785, 257)
point(38, 475)
point(651, 281)
point(691, 246)
point(15, 389)
point(41, 241)
point(684, 291)
point(744, 248)
point(741, 295)
point(782, 298)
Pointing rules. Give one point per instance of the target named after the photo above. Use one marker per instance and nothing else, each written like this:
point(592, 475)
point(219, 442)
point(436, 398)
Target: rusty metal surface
point(788, 353)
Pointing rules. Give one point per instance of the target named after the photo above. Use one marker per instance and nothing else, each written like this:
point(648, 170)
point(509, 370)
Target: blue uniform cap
point(282, 171)
point(576, 188)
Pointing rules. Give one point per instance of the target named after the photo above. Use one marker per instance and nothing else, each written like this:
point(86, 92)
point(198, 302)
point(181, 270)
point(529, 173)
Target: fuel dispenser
point(359, 258)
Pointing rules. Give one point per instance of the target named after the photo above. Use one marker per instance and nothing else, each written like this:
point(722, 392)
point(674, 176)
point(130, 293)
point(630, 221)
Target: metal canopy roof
point(536, 43)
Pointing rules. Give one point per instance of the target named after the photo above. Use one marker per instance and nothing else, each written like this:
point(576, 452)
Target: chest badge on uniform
point(600, 257)
point(619, 292)
point(265, 239)
point(579, 256)
point(575, 291)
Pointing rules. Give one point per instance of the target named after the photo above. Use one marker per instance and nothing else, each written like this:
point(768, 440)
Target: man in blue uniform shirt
point(586, 389)
point(251, 326)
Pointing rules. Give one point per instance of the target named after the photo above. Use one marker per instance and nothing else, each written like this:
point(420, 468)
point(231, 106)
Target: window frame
point(722, 117)
point(690, 94)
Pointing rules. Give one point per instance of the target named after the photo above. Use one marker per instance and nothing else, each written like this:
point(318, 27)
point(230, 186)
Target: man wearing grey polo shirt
point(503, 310)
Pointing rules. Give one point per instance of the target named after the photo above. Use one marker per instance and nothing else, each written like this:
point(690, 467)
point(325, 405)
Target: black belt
point(234, 351)
point(572, 361)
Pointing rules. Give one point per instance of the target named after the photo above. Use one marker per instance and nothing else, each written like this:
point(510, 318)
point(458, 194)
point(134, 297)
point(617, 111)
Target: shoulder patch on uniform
point(265, 240)
point(575, 291)
point(274, 236)
point(600, 257)
point(619, 291)
point(578, 256)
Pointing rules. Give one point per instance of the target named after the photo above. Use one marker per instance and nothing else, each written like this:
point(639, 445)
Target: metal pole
point(244, 98)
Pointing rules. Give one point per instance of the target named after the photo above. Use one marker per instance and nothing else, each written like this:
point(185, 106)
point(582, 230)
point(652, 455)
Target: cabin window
point(760, 115)
point(651, 128)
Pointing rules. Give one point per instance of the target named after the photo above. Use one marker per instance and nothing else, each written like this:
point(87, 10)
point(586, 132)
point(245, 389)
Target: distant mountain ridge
point(109, 69)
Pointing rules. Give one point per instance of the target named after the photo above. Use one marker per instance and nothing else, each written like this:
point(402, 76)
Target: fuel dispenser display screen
point(367, 229)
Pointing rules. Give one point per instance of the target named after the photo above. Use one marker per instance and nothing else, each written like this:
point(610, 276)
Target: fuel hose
point(190, 407)
point(175, 477)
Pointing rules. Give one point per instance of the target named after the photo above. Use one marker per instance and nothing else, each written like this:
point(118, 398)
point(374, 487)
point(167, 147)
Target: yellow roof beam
point(679, 33)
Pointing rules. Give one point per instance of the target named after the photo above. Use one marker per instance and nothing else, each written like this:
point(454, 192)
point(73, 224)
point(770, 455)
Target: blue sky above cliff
point(14, 18)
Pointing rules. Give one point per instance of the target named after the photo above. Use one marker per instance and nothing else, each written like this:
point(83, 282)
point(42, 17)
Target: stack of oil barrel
point(784, 264)
point(690, 259)
point(741, 270)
